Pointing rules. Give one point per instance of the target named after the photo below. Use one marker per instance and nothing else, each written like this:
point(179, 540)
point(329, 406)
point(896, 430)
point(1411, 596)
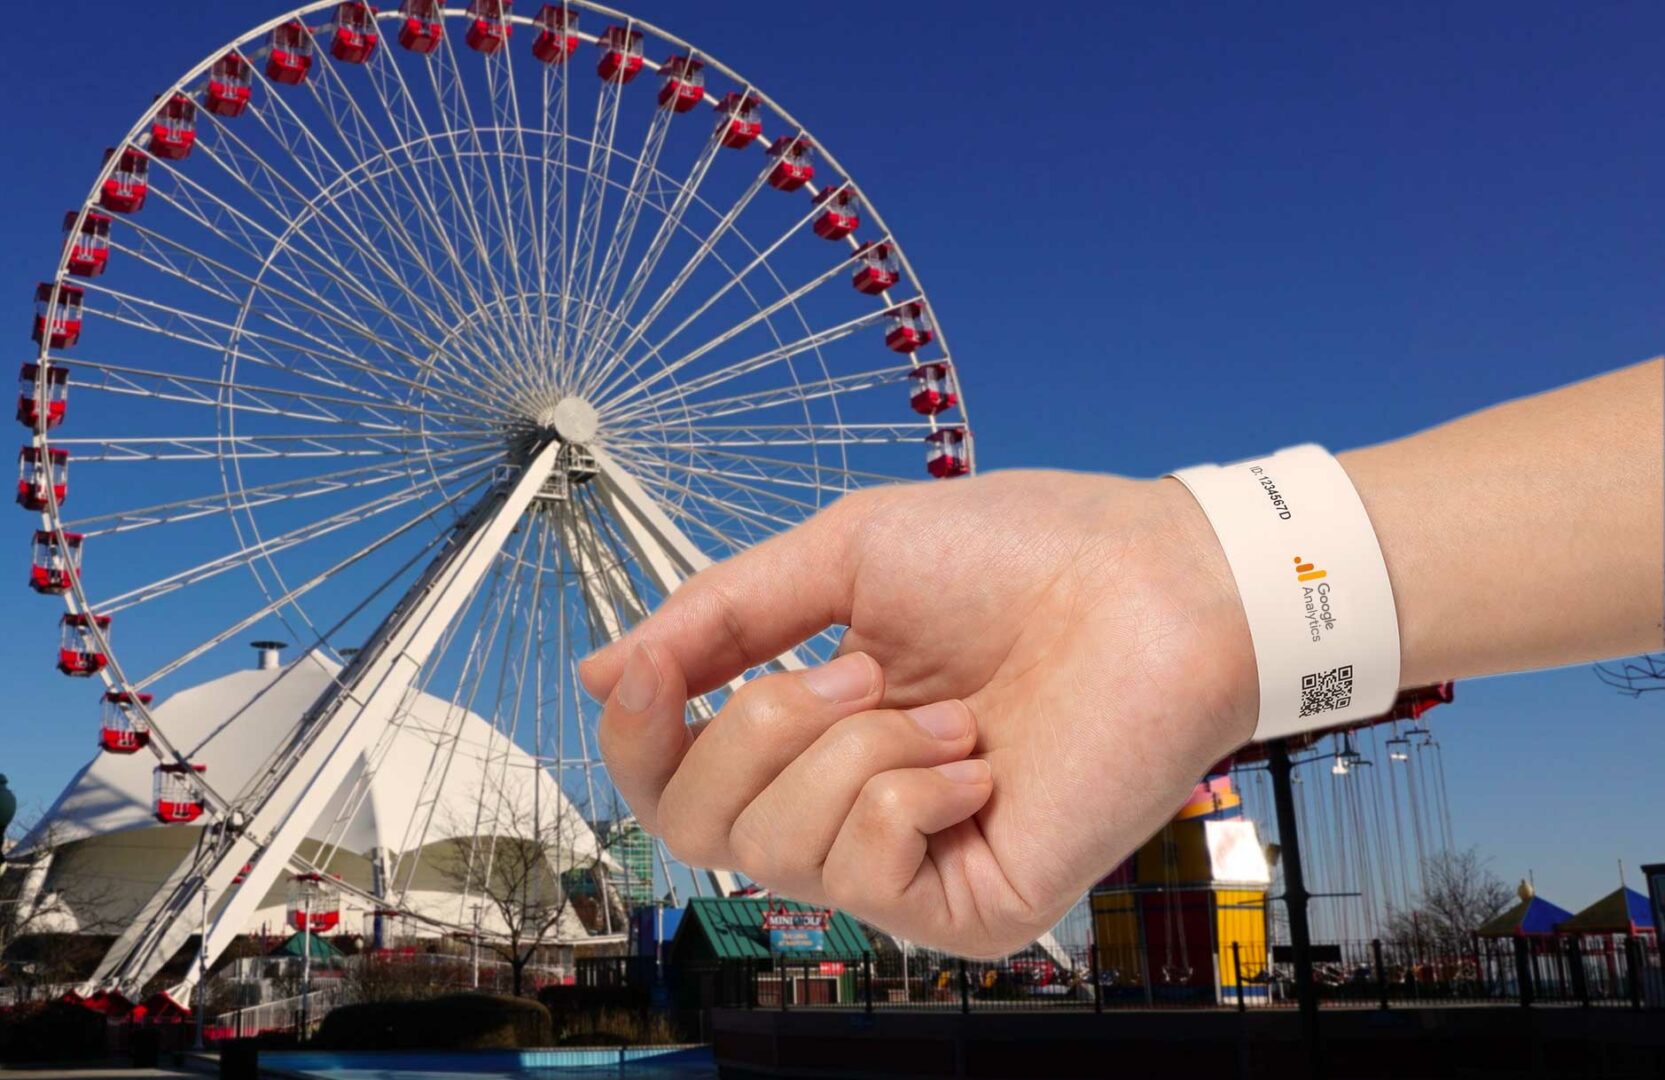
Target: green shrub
point(453, 1022)
point(617, 1027)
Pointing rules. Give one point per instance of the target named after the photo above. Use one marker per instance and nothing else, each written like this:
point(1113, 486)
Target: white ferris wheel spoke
point(361, 240)
point(287, 490)
point(668, 227)
point(240, 396)
point(312, 256)
point(799, 393)
point(735, 280)
point(237, 628)
point(141, 448)
point(355, 323)
point(244, 556)
point(581, 253)
point(192, 329)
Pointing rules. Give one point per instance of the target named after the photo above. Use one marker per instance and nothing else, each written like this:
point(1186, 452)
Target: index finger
point(749, 609)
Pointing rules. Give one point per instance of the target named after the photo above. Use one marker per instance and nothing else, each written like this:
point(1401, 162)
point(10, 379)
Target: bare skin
point(1039, 665)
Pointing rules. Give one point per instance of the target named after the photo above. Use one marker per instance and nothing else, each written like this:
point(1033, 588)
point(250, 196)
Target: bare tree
point(1459, 893)
point(1635, 676)
point(511, 856)
point(51, 914)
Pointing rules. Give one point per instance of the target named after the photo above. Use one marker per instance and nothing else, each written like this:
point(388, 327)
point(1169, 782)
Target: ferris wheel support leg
point(317, 761)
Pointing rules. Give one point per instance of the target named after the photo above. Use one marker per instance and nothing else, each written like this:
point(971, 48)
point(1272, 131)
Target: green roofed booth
point(322, 951)
point(723, 954)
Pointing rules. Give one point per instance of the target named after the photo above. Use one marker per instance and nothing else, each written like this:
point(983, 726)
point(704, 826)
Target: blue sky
point(1147, 229)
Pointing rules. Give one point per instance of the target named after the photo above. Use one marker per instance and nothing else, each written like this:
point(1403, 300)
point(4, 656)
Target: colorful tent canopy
point(1531, 917)
point(1622, 911)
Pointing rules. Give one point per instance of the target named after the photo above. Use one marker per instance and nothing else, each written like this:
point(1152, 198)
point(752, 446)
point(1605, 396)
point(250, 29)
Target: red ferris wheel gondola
point(931, 388)
point(556, 40)
point(124, 192)
point(122, 727)
point(29, 402)
point(489, 27)
point(948, 452)
point(79, 653)
point(314, 903)
point(793, 165)
point(63, 324)
point(910, 328)
point(174, 130)
point(683, 84)
point(879, 269)
point(38, 472)
point(840, 214)
point(621, 56)
point(741, 124)
point(89, 246)
point(355, 38)
point(291, 57)
point(421, 31)
point(54, 566)
point(178, 799)
point(229, 85)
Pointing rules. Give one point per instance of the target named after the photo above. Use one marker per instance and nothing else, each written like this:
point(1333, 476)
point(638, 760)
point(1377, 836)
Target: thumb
point(751, 608)
point(643, 734)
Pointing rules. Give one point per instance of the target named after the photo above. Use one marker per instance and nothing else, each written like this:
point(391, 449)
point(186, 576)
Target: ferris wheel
point(441, 343)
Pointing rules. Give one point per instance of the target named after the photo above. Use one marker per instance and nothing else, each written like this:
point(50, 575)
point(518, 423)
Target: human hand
point(1081, 635)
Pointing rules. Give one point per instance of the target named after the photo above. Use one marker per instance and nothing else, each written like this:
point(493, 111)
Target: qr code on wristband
point(1326, 691)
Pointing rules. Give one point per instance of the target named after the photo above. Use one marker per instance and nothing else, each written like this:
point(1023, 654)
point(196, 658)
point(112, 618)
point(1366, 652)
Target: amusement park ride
point(449, 352)
point(1187, 917)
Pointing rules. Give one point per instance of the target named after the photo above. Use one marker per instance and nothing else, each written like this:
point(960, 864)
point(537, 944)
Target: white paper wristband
point(1314, 586)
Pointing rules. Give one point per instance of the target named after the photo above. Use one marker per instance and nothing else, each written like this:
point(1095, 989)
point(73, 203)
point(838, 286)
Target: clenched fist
point(1038, 667)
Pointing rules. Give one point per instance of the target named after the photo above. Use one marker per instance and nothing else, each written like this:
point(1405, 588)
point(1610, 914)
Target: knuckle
point(844, 885)
point(860, 742)
point(883, 802)
point(757, 706)
point(674, 835)
point(753, 857)
point(682, 833)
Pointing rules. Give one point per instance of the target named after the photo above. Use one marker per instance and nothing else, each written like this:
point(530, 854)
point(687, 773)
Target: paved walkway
point(106, 1072)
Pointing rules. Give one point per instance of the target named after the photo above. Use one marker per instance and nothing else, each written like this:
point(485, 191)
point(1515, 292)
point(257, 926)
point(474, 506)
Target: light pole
point(202, 972)
point(474, 946)
point(907, 991)
point(306, 961)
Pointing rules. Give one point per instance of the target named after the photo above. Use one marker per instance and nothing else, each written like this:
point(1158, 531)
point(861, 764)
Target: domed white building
point(398, 835)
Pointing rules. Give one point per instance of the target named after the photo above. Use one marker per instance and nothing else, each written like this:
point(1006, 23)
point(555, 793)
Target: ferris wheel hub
point(572, 419)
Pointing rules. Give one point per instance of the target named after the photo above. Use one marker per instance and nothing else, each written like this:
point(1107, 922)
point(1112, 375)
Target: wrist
point(1197, 571)
point(1322, 624)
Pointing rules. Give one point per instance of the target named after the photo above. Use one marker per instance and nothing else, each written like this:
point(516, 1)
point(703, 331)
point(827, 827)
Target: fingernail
point(969, 771)
point(639, 684)
point(942, 719)
point(845, 679)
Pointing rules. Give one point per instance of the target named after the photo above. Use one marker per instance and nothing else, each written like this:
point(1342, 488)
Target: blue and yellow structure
point(1165, 920)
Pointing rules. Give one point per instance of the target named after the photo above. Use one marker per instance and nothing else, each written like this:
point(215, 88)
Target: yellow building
point(1165, 920)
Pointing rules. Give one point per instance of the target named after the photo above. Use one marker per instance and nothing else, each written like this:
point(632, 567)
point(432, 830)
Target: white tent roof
point(233, 724)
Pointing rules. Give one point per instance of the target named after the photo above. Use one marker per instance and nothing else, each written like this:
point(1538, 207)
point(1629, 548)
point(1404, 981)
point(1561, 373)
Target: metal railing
point(1590, 972)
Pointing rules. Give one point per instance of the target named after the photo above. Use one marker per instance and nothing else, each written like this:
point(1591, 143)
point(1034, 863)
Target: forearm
point(1528, 535)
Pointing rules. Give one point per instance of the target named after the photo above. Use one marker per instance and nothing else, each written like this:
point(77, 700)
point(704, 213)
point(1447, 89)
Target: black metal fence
point(1605, 972)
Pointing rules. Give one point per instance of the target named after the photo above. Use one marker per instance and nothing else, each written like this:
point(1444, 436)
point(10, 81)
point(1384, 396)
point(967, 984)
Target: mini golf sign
point(797, 931)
